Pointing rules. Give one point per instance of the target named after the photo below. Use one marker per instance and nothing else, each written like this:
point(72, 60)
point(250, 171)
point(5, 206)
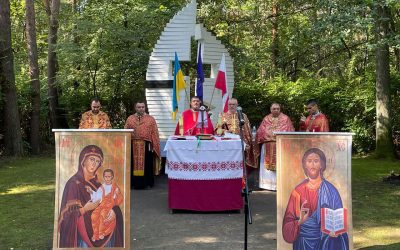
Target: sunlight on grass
point(372, 235)
point(28, 189)
point(200, 240)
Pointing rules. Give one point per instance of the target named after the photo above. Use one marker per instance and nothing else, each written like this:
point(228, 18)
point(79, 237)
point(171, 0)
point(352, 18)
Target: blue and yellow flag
point(179, 85)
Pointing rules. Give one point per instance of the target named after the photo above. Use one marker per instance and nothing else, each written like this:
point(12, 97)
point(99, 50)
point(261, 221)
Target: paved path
point(153, 227)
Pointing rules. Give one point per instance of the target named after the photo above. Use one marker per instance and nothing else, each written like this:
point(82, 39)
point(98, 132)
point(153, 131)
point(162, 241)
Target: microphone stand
point(202, 110)
point(248, 219)
point(202, 121)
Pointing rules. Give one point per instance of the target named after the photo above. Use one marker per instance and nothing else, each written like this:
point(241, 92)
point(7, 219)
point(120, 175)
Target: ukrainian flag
point(179, 85)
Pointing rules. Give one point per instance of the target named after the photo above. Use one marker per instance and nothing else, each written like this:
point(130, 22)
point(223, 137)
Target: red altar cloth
point(204, 175)
point(205, 195)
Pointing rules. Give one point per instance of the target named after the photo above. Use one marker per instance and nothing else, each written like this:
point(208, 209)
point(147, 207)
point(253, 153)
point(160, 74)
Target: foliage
point(105, 44)
point(325, 50)
point(353, 109)
point(104, 51)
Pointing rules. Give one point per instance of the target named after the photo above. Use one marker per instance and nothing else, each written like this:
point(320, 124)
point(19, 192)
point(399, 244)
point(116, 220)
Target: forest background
point(57, 55)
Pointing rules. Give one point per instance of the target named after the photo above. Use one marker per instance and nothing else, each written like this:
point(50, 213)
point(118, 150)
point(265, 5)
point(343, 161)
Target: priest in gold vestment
point(265, 138)
point(145, 148)
point(95, 118)
point(229, 123)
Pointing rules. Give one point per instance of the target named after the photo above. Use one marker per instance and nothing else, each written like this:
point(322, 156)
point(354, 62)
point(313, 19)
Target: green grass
point(376, 213)
point(27, 204)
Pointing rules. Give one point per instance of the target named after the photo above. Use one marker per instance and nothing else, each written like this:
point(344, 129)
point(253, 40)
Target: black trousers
point(141, 182)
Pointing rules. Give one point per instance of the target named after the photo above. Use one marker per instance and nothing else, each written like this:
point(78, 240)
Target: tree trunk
point(275, 41)
point(34, 76)
point(397, 55)
point(384, 140)
point(56, 114)
point(12, 135)
point(393, 32)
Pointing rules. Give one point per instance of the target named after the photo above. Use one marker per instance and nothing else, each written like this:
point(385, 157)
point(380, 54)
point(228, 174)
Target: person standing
point(194, 120)
point(265, 138)
point(94, 118)
point(145, 147)
point(229, 123)
point(315, 121)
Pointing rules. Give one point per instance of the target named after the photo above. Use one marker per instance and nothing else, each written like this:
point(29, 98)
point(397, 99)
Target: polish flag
point(221, 83)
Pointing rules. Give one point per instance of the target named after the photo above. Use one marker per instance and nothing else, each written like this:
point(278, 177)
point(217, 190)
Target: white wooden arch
point(176, 37)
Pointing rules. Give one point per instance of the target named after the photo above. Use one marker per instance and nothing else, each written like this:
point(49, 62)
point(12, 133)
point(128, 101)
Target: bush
point(349, 106)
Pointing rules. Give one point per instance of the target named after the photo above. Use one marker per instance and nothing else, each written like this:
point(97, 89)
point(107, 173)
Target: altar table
point(204, 175)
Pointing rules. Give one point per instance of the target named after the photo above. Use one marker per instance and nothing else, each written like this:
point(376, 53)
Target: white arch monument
point(177, 37)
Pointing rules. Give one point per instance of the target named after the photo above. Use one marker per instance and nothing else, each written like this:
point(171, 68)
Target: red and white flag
point(221, 83)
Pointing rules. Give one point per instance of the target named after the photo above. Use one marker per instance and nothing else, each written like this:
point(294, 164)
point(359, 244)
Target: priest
point(195, 120)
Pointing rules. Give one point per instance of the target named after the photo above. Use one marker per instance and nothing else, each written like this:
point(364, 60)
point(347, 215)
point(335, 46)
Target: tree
point(384, 142)
point(57, 119)
point(275, 42)
point(295, 49)
point(34, 76)
point(12, 136)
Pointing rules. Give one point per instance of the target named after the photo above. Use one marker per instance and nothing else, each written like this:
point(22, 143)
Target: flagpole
point(178, 84)
point(186, 95)
point(212, 96)
point(222, 84)
point(200, 74)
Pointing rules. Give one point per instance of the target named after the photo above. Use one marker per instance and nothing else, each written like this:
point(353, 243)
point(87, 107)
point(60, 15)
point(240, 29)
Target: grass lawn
point(27, 204)
point(376, 213)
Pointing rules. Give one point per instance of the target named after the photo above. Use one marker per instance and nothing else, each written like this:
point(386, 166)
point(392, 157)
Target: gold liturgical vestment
point(90, 120)
point(230, 123)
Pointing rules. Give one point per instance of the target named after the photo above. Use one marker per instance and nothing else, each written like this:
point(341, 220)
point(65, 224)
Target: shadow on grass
point(382, 247)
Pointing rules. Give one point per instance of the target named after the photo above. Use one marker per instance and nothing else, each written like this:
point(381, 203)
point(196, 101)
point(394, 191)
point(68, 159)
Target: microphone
point(240, 115)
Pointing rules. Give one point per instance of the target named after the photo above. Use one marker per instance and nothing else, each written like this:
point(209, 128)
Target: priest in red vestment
point(194, 121)
point(316, 121)
point(145, 147)
point(94, 118)
point(265, 138)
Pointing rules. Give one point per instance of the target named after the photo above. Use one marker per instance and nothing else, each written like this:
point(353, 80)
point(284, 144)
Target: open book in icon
point(334, 221)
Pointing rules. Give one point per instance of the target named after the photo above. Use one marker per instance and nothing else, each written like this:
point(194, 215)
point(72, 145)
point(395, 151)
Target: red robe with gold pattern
point(265, 134)
point(90, 120)
point(230, 123)
point(145, 129)
point(315, 123)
